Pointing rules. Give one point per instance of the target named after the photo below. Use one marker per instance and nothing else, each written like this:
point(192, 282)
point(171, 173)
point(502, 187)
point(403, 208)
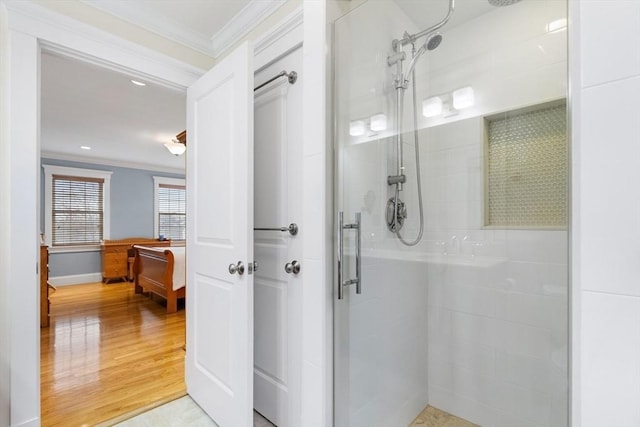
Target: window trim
point(157, 181)
point(49, 172)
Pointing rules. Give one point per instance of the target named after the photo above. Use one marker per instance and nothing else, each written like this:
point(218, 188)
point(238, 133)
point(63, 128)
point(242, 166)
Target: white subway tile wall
point(472, 320)
point(606, 202)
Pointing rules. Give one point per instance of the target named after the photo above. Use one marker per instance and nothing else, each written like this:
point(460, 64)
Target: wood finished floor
point(108, 352)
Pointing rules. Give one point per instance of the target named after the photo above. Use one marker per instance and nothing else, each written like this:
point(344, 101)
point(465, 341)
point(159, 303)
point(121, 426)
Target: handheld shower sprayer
point(432, 42)
point(396, 208)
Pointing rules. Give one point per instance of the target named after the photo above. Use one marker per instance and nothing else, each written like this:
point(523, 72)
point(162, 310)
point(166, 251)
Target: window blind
point(172, 211)
point(77, 210)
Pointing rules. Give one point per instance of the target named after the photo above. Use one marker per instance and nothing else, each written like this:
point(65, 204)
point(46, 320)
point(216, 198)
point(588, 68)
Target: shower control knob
point(292, 267)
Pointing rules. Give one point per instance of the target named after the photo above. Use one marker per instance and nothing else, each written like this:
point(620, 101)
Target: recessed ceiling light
point(85, 147)
point(137, 83)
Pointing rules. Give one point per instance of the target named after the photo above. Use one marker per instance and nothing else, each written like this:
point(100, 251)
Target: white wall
point(498, 325)
point(606, 242)
point(497, 300)
point(23, 97)
point(317, 296)
point(5, 225)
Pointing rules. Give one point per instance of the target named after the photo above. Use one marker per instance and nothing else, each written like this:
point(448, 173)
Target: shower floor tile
point(434, 417)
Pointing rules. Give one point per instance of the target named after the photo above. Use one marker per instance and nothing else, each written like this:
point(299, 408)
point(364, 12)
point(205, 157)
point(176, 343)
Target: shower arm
point(399, 44)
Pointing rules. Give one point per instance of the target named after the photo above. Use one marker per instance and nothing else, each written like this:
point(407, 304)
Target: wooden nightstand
point(115, 256)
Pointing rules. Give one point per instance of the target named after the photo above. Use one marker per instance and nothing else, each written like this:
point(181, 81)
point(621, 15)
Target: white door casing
point(278, 202)
point(219, 362)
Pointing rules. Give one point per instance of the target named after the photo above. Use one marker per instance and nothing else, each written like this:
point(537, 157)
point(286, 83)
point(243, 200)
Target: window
point(526, 176)
point(76, 207)
point(170, 208)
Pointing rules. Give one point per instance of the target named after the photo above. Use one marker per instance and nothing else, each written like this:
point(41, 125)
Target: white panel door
point(278, 202)
point(219, 304)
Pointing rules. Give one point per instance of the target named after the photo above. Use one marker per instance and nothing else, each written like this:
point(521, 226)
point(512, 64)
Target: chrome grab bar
point(341, 227)
point(292, 229)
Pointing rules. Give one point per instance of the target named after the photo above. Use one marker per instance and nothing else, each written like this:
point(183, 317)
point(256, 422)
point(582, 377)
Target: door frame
point(26, 28)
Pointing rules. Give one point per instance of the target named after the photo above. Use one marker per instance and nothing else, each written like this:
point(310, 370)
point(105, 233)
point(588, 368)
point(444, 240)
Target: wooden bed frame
point(153, 271)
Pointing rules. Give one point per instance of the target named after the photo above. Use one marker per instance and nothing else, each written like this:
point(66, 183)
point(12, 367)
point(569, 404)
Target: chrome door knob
point(237, 268)
point(292, 267)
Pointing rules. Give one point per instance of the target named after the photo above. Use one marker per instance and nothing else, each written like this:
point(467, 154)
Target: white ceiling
point(86, 105)
point(426, 13)
point(208, 26)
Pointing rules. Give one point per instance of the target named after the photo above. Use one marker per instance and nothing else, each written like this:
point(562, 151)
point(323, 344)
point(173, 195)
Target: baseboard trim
point(34, 422)
point(75, 279)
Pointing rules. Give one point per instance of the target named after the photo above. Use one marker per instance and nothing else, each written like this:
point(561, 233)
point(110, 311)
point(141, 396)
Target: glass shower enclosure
point(467, 319)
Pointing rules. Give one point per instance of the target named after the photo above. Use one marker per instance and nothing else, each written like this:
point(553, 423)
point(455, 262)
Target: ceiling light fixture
point(432, 107)
point(356, 128)
point(378, 122)
point(557, 25)
point(85, 147)
point(463, 98)
point(138, 83)
point(448, 104)
point(176, 147)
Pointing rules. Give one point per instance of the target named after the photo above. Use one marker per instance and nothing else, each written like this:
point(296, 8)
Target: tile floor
point(185, 412)
point(433, 417)
point(181, 412)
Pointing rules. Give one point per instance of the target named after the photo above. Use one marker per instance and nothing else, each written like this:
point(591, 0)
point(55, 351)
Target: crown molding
point(284, 37)
point(162, 26)
point(64, 35)
point(238, 27)
point(242, 24)
point(110, 162)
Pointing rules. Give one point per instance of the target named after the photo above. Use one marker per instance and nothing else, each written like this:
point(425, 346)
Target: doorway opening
point(107, 347)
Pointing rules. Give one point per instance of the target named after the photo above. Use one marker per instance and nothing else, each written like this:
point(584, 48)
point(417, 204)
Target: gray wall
point(131, 213)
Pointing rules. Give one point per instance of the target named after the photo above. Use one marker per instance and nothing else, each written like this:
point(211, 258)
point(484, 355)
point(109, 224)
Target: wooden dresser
point(44, 286)
point(115, 256)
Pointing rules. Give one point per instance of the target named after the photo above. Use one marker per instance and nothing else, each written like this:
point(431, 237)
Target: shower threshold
point(434, 417)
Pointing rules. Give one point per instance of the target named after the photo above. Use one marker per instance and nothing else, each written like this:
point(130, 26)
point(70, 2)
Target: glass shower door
point(380, 333)
point(471, 322)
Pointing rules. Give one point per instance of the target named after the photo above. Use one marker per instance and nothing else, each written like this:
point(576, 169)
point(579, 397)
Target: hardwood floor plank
point(108, 352)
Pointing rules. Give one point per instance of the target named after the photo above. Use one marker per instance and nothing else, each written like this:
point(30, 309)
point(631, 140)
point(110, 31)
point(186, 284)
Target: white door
point(278, 203)
point(219, 304)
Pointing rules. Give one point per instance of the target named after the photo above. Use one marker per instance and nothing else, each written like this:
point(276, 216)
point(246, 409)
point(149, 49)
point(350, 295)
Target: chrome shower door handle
point(358, 253)
point(357, 226)
point(340, 252)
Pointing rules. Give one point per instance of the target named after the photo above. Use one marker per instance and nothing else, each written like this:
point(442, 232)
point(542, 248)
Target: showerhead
point(501, 3)
point(433, 41)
